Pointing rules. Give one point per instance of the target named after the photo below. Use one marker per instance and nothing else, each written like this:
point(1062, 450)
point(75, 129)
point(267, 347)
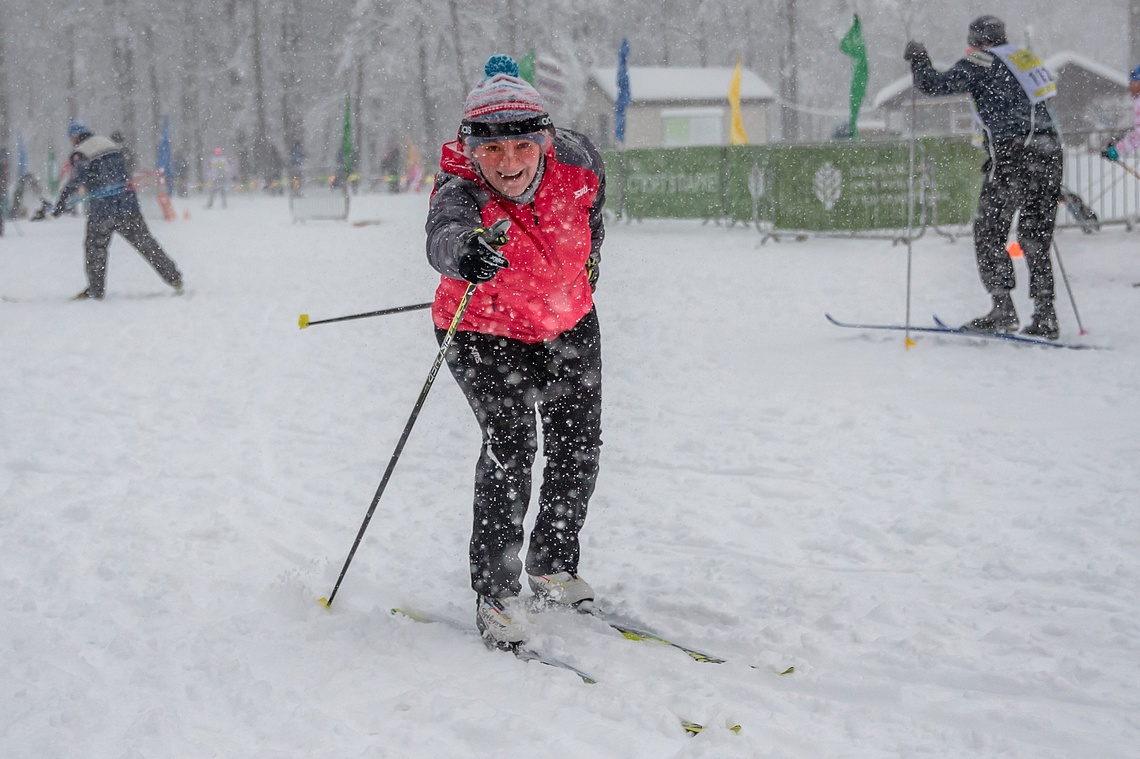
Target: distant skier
point(1009, 87)
point(528, 351)
point(221, 174)
point(1128, 144)
point(98, 165)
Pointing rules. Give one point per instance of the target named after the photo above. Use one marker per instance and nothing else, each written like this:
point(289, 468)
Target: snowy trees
point(251, 75)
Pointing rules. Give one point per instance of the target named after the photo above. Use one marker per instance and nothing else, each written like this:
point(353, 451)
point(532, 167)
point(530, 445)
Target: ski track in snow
point(944, 541)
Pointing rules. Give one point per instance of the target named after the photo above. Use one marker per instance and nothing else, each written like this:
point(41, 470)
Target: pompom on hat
point(503, 104)
point(77, 129)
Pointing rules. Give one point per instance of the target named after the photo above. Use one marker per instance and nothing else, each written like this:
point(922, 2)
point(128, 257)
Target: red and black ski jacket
point(546, 289)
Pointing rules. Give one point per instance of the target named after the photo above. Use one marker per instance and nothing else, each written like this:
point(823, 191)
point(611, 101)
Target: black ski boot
point(1001, 318)
point(1044, 322)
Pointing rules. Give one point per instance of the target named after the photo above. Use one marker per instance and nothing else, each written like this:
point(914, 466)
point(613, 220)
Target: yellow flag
point(736, 135)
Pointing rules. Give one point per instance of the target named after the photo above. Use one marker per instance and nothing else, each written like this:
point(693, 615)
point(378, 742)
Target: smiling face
point(509, 165)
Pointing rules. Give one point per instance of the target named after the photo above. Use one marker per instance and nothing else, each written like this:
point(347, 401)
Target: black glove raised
point(479, 256)
point(915, 51)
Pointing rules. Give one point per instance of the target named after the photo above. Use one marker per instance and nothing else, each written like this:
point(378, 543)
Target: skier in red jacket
point(528, 346)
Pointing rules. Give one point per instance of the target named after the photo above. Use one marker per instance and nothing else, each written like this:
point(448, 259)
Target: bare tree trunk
point(123, 65)
point(71, 98)
point(5, 132)
point(291, 121)
point(456, 40)
point(190, 118)
point(155, 97)
point(426, 101)
point(789, 84)
point(512, 30)
point(1133, 31)
point(358, 134)
point(261, 129)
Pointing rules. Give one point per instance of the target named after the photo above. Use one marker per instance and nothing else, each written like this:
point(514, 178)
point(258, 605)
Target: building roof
point(679, 83)
point(1068, 58)
point(1054, 63)
point(900, 86)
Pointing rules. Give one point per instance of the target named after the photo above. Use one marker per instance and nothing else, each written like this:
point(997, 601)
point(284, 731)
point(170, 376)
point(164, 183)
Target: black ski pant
point(133, 228)
point(1025, 178)
point(506, 382)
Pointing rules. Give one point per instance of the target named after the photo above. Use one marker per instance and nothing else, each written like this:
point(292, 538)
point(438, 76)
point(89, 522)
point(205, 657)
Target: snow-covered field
point(944, 541)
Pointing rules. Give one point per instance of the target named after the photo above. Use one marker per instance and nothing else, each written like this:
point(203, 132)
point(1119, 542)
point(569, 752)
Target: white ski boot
point(562, 588)
point(503, 622)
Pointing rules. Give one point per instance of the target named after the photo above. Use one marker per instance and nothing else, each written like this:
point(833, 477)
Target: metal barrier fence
point(1107, 188)
point(846, 190)
point(318, 195)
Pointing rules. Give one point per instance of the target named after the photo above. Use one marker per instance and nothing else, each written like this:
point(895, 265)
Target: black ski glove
point(915, 52)
point(592, 272)
point(479, 256)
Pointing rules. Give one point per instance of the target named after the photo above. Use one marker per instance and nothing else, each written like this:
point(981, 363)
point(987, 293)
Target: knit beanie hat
point(77, 129)
point(1135, 75)
point(503, 104)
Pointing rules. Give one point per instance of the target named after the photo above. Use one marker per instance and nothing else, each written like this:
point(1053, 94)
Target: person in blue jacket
point(99, 166)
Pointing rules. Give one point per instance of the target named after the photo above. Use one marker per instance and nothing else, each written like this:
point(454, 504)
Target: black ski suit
point(98, 164)
point(1023, 170)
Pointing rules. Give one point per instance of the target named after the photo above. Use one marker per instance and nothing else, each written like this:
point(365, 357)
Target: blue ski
point(941, 328)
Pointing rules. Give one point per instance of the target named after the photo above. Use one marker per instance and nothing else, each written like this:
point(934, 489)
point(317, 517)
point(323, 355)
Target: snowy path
point(945, 541)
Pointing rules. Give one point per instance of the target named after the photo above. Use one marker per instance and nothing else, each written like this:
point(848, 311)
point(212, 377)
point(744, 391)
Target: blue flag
point(623, 95)
point(21, 155)
point(163, 162)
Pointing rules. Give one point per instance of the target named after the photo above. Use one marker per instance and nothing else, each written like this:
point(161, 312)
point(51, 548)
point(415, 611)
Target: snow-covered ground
point(944, 541)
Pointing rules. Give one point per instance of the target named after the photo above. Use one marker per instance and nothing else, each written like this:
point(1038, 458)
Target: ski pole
point(444, 345)
point(908, 343)
point(1065, 278)
point(1129, 169)
point(304, 322)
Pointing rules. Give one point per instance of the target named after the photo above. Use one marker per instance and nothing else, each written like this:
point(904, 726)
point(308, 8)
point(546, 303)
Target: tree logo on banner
point(828, 184)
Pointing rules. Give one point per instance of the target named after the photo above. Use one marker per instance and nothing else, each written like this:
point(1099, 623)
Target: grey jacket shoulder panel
point(456, 208)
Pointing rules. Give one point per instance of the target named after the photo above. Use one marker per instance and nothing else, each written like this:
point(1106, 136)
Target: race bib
point(1030, 72)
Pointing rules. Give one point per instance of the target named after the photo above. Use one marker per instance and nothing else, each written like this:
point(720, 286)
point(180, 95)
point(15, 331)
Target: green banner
point(675, 183)
point(800, 187)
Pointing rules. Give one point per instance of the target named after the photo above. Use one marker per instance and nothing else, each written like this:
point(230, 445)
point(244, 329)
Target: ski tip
point(693, 728)
point(324, 602)
point(788, 671)
point(303, 321)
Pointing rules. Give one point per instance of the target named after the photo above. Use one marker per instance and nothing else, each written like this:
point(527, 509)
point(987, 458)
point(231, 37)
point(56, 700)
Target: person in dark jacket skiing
point(1010, 88)
point(528, 347)
point(98, 165)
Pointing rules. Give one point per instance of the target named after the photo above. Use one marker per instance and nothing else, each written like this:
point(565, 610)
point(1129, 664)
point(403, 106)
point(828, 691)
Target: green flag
point(852, 44)
point(52, 171)
point(526, 67)
point(346, 139)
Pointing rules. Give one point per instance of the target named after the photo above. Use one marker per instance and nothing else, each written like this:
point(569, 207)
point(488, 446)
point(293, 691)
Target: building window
point(693, 126)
